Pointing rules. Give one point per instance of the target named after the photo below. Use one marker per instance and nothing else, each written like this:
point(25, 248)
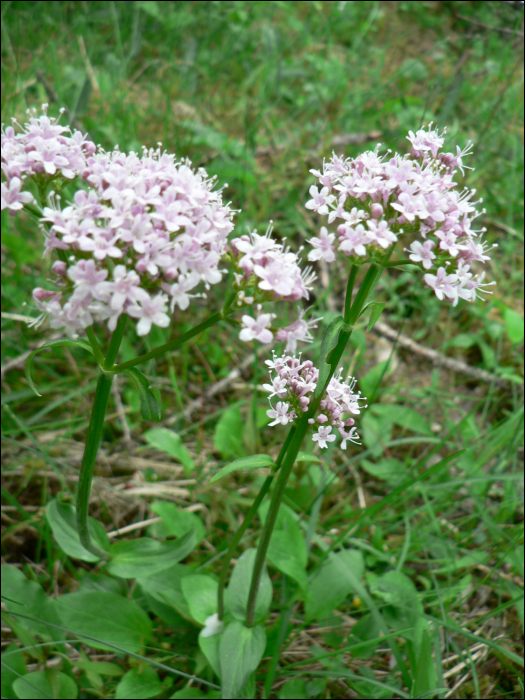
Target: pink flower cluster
point(260, 328)
point(294, 384)
point(146, 233)
point(42, 147)
point(269, 267)
point(377, 198)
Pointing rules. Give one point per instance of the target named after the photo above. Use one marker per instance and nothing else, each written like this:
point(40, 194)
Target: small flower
point(212, 626)
point(257, 328)
point(422, 252)
point(280, 413)
point(12, 196)
point(323, 246)
point(322, 437)
point(151, 311)
point(443, 285)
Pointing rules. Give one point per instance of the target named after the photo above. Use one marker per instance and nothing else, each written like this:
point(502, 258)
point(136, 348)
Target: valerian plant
point(146, 233)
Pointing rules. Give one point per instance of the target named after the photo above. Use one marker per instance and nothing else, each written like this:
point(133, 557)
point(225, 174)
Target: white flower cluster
point(147, 231)
point(294, 384)
point(377, 198)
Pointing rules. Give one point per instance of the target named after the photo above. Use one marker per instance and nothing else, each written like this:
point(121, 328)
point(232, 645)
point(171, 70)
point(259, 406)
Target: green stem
point(97, 352)
point(171, 345)
point(352, 313)
point(94, 434)
point(247, 520)
point(350, 288)
point(114, 343)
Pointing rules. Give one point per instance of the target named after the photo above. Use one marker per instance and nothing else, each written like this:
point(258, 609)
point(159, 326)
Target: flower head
point(373, 200)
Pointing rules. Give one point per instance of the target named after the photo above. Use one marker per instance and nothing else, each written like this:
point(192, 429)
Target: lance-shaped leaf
point(253, 462)
point(376, 309)
point(53, 344)
point(150, 406)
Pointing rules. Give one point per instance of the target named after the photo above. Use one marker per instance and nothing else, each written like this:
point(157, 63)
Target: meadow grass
point(259, 93)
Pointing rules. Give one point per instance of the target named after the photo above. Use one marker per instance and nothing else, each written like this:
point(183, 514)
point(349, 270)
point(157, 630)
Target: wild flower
point(296, 381)
point(377, 199)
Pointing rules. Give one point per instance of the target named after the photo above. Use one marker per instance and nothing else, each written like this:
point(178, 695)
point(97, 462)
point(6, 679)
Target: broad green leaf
point(167, 589)
point(13, 666)
point(53, 344)
point(62, 520)
point(287, 549)
point(140, 682)
point(146, 556)
point(150, 405)
point(20, 595)
point(176, 522)
point(236, 595)
point(200, 592)
point(229, 431)
point(106, 619)
point(170, 442)
point(328, 343)
point(330, 585)
point(210, 648)
point(294, 689)
point(403, 609)
point(375, 312)
point(287, 558)
point(241, 649)
point(424, 672)
point(46, 684)
point(253, 462)
point(513, 325)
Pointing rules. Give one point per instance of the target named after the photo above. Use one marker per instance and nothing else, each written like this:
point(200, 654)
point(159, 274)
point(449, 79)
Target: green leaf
point(46, 684)
point(62, 521)
point(241, 649)
point(167, 589)
point(140, 682)
point(53, 344)
point(150, 405)
point(330, 585)
point(293, 689)
point(253, 462)
point(328, 343)
point(191, 693)
point(28, 598)
point(376, 311)
point(146, 556)
point(305, 457)
point(106, 619)
point(390, 469)
point(287, 549)
point(513, 325)
point(13, 666)
point(200, 592)
point(424, 672)
point(170, 442)
point(403, 416)
point(177, 522)
point(229, 433)
point(210, 648)
point(236, 595)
